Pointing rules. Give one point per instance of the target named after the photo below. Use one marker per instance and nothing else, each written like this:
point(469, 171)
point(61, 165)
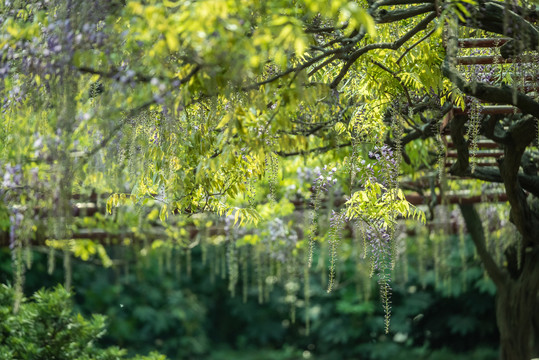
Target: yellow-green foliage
point(177, 111)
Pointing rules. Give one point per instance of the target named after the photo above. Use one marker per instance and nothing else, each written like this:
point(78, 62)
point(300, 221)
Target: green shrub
point(45, 327)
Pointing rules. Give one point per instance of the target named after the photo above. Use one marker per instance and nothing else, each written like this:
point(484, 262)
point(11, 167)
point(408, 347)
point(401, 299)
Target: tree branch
point(321, 149)
point(526, 221)
point(461, 167)
point(528, 182)
point(490, 17)
point(519, 135)
point(490, 93)
point(393, 46)
point(384, 16)
point(415, 44)
point(379, 3)
point(298, 68)
point(113, 132)
point(327, 29)
point(396, 77)
point(475, 228)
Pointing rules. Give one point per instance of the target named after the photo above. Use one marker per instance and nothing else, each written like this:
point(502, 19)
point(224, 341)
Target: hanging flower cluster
point(281, 240)
point(384, 171)
point(325, 179)
point(336, 223)
point(377, 206)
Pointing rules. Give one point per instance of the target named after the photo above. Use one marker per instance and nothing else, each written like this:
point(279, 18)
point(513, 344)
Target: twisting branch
point(384, 16)
point(475, 228)
point(488, 18)
point(379, 3)
point(490, 93)
point(529, 13)
point(516, 139)
point(114, 74)
point(529, 183)
point(526, 221)
point(461, 167)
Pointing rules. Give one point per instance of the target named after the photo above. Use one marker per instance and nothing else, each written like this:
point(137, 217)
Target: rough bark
point(516, 312)
point(505, 20)
point(518, 282)
point(517, 296)
point(475, 228)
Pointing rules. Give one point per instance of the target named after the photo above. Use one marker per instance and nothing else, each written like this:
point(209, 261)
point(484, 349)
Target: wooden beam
point(417, 199)
point(481, 43)
point(481, 144)
point(478, 154)
point(493, 59)
point(477, 163)
point(491, 110)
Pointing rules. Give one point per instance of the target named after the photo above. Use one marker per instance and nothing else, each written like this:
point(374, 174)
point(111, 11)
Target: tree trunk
point(517, 303)
point(517, 312)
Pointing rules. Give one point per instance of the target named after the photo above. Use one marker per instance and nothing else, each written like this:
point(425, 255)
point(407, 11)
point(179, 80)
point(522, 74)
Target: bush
point(45, 327)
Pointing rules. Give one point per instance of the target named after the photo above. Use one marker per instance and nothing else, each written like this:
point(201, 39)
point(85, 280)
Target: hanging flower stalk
point(378, 205)
point(324, 181)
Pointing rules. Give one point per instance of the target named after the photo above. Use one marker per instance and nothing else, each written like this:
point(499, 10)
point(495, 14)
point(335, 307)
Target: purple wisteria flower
point(384, 170)
point(325, 178)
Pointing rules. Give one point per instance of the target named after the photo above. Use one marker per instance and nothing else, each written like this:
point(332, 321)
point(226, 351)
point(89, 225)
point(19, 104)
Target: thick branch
point(326, 29)
point(475, 228)
point(530, 13)
point(114, 74)
point(384, 16)
point(528, 182)
point(461, 167)
point(490, 93)
point(526, 221)
point(497, 18)
point(379, 3)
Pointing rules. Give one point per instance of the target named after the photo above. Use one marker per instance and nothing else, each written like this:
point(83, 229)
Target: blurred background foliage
point(186, 311)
